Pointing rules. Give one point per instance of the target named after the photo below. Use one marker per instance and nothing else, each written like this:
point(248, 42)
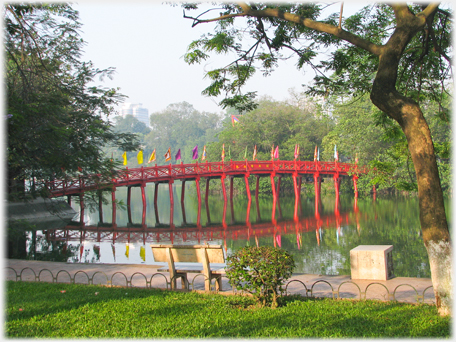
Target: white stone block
point(372, 262)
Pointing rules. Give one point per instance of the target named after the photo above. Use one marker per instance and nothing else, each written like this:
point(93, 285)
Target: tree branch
point(247, 11)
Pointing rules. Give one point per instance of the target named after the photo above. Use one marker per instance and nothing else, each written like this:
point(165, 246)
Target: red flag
point(315, 153)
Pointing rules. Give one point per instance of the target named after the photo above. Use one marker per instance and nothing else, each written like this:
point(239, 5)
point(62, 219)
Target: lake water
point(320, 240)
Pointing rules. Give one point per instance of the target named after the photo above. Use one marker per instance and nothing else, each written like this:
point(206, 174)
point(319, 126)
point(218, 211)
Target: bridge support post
point(81, 209)
point(274, 196)
point(171, 203)
point(114, 212)
point(157, 219)
point(129, 203)
point(100, 206)
point(198, 192)
point(182, 201)
point(207, 188)
point(222, 179)
point(257, 187)
point(317, 185)
point(355, 185)
point(337, 187)
point(231, 187)
point(247, 187)
point(143, 197)
point(296, 193)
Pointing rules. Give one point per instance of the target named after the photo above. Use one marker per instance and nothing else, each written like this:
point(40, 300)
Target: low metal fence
point(317, 289)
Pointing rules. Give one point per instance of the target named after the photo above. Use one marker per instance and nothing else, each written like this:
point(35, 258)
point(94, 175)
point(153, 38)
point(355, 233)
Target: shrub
point(260, 271)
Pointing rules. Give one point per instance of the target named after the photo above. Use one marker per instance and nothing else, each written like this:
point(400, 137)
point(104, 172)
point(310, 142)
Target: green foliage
point(57, 310)
point(55, 118)
point(180, 126)
point(261, 271)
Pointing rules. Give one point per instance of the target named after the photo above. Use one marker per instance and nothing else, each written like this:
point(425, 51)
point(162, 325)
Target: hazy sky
point(146, 41)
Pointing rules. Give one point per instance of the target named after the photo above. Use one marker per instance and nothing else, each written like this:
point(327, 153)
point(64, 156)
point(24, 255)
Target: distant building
point(140, 113)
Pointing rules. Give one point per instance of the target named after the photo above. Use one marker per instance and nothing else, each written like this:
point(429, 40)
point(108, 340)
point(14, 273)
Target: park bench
point(204, 255)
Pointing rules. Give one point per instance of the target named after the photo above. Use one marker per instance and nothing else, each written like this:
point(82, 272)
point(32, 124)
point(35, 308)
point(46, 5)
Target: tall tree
point(54, 112)
point(398, 53)
point(181, 126)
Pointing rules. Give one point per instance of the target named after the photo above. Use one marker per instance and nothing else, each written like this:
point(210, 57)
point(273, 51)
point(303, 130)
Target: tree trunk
point(408, 114)
point(433, 221)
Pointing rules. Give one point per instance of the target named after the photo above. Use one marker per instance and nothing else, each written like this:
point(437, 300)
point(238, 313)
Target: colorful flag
point(356, 158)
point(315, 153)
point(152, 157)
point(234, 120)
point(318, 154)
point(178, 155)
point(336, 155)
point(203, 157)
point(272, 152)
point(124, 155)
point(254, 153)
point(195, 152)
point(276, 152)
point(223, 152)
point(127, 250)
point(296, 154)
point(140, 157)
point(245, 153)
point(168, 155)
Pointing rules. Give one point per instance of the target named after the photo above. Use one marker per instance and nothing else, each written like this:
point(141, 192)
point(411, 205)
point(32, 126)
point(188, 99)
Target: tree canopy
point(55, 114)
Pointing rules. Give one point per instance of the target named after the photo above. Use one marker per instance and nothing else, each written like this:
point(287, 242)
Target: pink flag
point(195, 152)
point(276, 152)
point(178, 154)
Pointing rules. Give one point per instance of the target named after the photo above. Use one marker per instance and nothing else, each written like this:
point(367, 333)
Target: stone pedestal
point(372, 262)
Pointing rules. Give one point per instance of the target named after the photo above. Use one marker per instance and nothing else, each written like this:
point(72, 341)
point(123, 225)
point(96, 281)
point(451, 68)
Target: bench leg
point(218, 282)
point(184, 281)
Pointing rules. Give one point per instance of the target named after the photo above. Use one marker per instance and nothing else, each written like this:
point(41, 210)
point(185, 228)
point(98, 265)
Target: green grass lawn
point(71, 310)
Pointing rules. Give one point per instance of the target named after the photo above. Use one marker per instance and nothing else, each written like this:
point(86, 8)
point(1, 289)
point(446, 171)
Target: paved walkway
point(411, 290)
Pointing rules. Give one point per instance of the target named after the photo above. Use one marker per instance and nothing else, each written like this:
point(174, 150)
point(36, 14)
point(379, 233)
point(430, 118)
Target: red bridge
point(139, 177)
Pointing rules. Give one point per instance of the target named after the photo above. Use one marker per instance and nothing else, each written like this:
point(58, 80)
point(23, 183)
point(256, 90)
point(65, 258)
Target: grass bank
point(71, 310)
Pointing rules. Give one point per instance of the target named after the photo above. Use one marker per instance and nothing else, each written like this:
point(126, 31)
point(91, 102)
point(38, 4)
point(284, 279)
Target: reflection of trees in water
point(39, 248)
point(388, 221)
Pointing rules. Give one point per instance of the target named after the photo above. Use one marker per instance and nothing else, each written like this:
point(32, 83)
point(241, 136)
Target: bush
point(260, 271)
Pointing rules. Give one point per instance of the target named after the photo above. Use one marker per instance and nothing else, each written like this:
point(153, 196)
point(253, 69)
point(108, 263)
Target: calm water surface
point(320, 240)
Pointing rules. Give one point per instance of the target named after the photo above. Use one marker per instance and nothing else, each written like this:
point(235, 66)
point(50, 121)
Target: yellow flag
point(152, 157)
point(140, 157)
point(124, 155)
point(127, 251)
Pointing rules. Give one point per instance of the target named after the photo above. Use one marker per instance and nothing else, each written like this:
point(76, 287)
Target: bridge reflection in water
point(140, 177)
point(192, 233)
